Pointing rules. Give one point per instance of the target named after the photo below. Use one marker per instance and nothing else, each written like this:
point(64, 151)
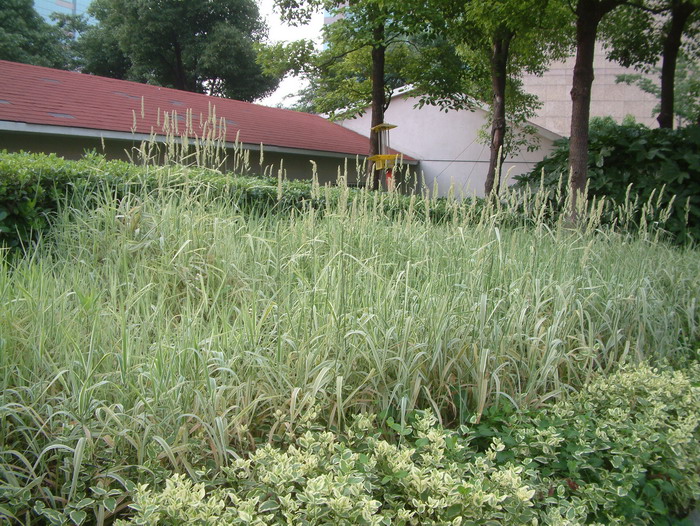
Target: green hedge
point(34, 186)
point(649, 160)
point(625, 450)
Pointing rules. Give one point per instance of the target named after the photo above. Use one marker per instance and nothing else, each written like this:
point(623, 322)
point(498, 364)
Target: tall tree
point(354, 64)
point(498, 41)
point(93, 48)
point(70, 27)
point(377, 76)
point(339, 75)
point(682, 14)
point(637, 34)
point(25, 36)
point(588, 14)
point(194, 45)
point(509, 37)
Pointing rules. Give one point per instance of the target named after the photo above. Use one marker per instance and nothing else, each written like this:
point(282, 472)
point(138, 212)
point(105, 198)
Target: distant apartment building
point(67, 7)
point(607, 97)
point(329, 18)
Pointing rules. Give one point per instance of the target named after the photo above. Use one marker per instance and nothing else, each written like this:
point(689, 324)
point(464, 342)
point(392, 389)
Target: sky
point(278, 31)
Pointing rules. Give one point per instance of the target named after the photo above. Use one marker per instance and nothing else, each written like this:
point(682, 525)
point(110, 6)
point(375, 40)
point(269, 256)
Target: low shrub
point(32, 186)
point(625, 450)
point(633, 165)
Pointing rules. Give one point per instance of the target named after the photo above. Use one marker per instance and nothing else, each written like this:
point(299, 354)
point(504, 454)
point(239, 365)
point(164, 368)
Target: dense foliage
point(661, 33)
point(630, 162)
point(625, 450)
point(200, 46)
point(416, 54)
point(33, 186)
point(26, 37)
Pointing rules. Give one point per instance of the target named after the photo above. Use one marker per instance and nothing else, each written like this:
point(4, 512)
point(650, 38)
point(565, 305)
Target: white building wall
point(447, 145)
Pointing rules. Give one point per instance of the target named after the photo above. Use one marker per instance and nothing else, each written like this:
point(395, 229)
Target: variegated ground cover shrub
point(625, 450)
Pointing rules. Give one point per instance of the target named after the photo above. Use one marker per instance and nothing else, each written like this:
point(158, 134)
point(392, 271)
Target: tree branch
point(338, 57)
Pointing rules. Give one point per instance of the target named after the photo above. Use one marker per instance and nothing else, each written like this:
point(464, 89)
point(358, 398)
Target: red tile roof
point(38, 95)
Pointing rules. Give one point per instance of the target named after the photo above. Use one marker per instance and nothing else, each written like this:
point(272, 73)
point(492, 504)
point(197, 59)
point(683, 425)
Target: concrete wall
point(607, 98)
point(68, 147)
point(447, 145)
point(328, 169)
point(295, 166)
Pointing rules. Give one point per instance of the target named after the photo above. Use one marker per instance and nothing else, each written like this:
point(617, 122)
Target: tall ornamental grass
point(187, 304)
point(166, 330)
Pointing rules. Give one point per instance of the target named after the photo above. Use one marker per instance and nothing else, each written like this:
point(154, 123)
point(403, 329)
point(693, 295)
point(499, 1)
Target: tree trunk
point(588, 15)
point(680, 12)
point(180, 75)
point(378, 55)
point(586, 29)
point(499, 61)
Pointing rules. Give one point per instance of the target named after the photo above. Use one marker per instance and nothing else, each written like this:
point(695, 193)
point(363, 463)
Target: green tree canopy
point(340, 74)
point(371, 49)
point(25, 36)
point(195, 45)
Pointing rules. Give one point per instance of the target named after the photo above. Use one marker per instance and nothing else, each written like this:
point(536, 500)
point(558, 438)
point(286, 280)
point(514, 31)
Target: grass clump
point(34, 187)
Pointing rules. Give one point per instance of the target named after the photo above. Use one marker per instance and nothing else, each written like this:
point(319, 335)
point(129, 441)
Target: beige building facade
point(607, 98)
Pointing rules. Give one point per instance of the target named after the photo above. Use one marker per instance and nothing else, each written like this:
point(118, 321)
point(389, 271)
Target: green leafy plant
point(625, 447)
point(174, 319)
point(32, 186)
point(643, 170)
